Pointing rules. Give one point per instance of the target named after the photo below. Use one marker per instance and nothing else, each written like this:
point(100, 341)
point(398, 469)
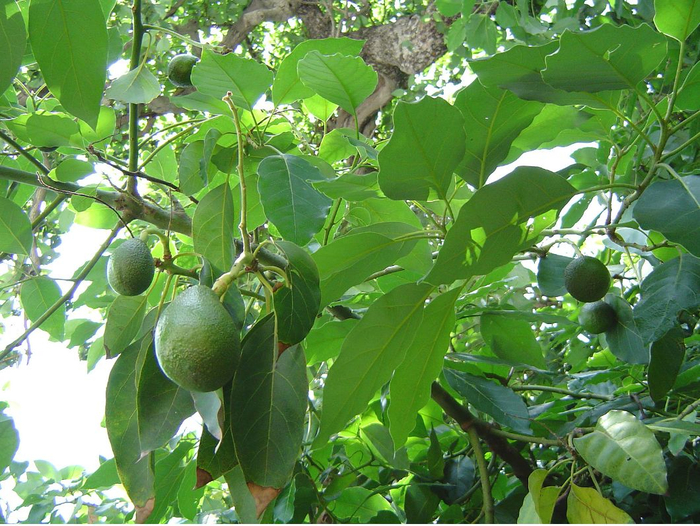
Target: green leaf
point(358, 504)
point(51, 129)
point(163, 165)
point(105, 476)
point(420, 504)
point(587, 506)
point(71, 170)
point(298, 303)
point(243, 500)
point(459, 477)
point(550, 274)
point(194, 168)
point(9, 441)
point(335, 146)
point(287, 87)
point(162, 405)
point(188, 497)
point(427, 144)
point(69, 41)
point(14, 40)
point(666, 358)
point(124, 318)
point(217, 457)
point(481, 33)
point(324, 342)
point(37, 296)
point(673, 208)
point(268, 406)
point(213, 228)
point(121, 420)
point(622, 448)
point(346, 81)
point(683, 499)
point(543, 498)
point(246, 79)
point(671, 287)
point(350, 186)
point(512, 339)
point(676, 18)
point(15, 228)
point(497, 401)
point(410, 384)
point(493, 118)
point(677, 426)
point(169, 473)
point(490, 227)
point(689, 94)
point(436, 462)
point(624, 339)
point(295, 207)
point(606, 58)
point(373, 349)
point(138, 86)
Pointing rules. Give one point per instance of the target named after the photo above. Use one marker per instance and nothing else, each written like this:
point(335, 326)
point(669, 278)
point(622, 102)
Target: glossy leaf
point(622, 448)
point(346, 81)
point(72, 170)
point(246, 79)
point(373, 349)
point(243, 500)
point(550, 274)
point(490, 227)
point(673, 208)
point(689, 95)
point(14, 40)
point(213, 227)
point(217, 457)
point(420, 504)
point(287, 87)
point(15, 228)
point(497, 401)
point(324, 342)
point(37, 296)
point(493, 118)
point(138, 86)
point(124, 318)
point(677, 18)
point(358, 504)
point(587, 506)
point(427, 144)
point(295, 207)
point(270, 396)
point(624, 339)
point(606, 58)
point(298, 303)
point(169, 473)
point(121, 411)
point(69, 42)
point(410, 384)
point(51, 129)
point(666, 358)
point(544, 498)
point(671, 287)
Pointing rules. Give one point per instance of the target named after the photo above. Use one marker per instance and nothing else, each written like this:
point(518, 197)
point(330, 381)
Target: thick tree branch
point(257, 12)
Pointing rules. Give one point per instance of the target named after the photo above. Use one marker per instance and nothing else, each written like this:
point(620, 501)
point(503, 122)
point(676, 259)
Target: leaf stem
point(560, 390)
point(483, 476)
point(331, 220)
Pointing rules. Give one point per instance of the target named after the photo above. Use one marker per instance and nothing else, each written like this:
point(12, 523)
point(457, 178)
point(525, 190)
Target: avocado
point(597, 317)
point(131, 268)
point(587, 279)
point(197, 344)
point(180, 70)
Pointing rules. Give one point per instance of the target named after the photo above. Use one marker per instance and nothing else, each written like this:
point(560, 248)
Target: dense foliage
point(409, 350)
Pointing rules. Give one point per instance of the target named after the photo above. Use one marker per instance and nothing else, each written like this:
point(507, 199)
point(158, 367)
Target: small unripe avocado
point(197, 344)
point(597, 317)
point(130, 268)
point(587, 279)
point(180, 70)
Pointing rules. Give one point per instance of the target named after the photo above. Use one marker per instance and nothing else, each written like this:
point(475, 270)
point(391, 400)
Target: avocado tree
point(306, 246)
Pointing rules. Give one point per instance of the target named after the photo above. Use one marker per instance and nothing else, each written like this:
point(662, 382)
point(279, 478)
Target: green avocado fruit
point(597, 317)
point(130, 268)
point(180, 70)
point(587, 279)
point(197, 344)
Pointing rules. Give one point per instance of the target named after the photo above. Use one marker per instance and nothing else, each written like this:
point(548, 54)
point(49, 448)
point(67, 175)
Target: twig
point(137, 40)
point(487, 506)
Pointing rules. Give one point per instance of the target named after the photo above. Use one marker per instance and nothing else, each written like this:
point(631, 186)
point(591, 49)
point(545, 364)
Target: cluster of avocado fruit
point(196, 340)
point(587, 279)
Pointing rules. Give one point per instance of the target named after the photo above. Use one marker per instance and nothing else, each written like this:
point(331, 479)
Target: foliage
point(408, 348)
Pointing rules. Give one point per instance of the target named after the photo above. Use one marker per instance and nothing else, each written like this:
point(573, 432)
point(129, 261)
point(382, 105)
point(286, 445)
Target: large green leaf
point(124, 318)
point(493, 118)
point(677, 18)
point(121, 420)
point(298, 303)
point(410, 384)
point(543, 498)
point(359, 504)
point(587, 506)
point(672, 287)
point(550, 274)
point(15, 228)
point(673, 208)
point(69, 41)
point(9, 441)
point(295, 207)
point(213, 227)
point(497, 401)
point(215, 75)
point(666, 358)
point(511, 339)
point(689, 94)
point(373, 349)
point(268, 405)
point(169, 473)
point(427, 144)
point(346, 81)
point(609, 57)
point(287, 87)
point(138, 86)
point(624, 339)
point(36, 296)
point(217, 457)
point(351, 259)
point(622, 448)
point(51, 129)
point(490, 227)
point(324, 342)
point(162, 405)
point(14, 39)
